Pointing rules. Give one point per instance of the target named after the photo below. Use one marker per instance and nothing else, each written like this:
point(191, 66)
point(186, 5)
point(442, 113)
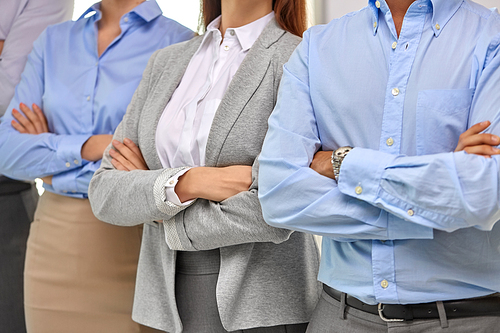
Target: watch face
point(342, 151)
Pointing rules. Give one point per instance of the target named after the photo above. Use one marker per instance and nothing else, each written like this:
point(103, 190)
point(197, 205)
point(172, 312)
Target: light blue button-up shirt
point(80, 93)
point(410, 221)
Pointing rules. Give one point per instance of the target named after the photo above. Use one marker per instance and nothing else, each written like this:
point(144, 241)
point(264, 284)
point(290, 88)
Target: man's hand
point(215, 184)
point(322, 164)
point(475, 142)
point(127, 156)
point(95, 146)
point(29, 122)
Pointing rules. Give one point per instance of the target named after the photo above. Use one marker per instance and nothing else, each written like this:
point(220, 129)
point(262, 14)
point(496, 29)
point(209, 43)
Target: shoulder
point(172, 53)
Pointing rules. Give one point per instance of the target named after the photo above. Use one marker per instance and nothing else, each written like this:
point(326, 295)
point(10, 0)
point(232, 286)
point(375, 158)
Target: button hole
point(406, 46)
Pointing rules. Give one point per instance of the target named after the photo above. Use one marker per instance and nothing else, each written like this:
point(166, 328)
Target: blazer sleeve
point(130, 198)
point(208, 225)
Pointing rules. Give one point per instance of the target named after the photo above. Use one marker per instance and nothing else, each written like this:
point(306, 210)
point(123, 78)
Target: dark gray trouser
point(195, 288)
point(326, 319)
point(16, 214)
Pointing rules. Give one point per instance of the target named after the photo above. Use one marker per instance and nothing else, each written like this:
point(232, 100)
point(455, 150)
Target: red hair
point(291, 15)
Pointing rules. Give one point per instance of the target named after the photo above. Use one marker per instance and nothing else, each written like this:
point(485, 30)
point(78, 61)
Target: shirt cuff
point(361, 173)
point(70, 149)
point(170, 189)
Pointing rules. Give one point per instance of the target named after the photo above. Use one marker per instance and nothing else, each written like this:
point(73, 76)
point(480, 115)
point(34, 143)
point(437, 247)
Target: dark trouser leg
point(16, 214)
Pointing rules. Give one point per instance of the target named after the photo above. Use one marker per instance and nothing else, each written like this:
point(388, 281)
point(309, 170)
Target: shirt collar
point(247, 34)
point(442, 11)
point(148, 10)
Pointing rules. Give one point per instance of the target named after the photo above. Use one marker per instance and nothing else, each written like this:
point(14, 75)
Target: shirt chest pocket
point(441, 116)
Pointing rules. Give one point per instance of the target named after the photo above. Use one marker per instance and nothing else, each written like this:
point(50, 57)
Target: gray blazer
point(267, 275)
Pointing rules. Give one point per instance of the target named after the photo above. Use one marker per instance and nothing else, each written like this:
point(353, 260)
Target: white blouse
point(182, 132)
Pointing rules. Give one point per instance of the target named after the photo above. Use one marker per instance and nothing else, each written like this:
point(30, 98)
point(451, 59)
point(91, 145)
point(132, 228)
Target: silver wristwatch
point(337, 158)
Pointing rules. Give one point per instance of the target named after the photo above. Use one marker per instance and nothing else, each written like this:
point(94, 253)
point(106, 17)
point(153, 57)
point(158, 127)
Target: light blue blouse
point(80, 93)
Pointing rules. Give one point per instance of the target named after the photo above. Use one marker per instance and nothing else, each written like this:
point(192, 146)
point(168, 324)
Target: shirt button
point(76, 161)
point(171, 182)
point(395, 91)
point(97, 63)
point(394, 45)
point(358, 190)
point(231, 32)
point(384, 284)
point(438, 27)
point(68, 164)
point(88, 98)
point(374, 24)
point(125, 19)
point(377, 4)
point(389, 142)
point(64, 191)
point(226, 47)
point(411, 212)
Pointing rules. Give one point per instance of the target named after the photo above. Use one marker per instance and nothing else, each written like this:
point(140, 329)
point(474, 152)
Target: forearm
point(26, 156)
point(208, 225)
point(442, 191)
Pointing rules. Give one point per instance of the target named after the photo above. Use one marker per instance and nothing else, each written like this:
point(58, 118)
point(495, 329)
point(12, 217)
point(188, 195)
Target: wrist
point(337, 158)
point(188, 186)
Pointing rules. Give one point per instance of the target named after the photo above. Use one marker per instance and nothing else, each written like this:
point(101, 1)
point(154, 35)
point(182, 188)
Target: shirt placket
point(90, 88)
point(186, 141)
point(400, 63)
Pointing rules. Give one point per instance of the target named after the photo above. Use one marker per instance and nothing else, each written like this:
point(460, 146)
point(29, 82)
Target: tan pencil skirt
point(80, 272)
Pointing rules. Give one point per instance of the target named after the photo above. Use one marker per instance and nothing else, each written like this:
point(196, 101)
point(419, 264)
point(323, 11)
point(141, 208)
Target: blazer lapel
point(245, 82)
point(161, 92)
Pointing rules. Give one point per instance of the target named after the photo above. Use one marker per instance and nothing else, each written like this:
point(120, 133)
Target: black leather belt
point(473, 307)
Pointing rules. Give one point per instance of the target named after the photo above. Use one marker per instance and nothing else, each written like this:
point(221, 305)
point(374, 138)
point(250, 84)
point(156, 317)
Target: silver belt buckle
point(381, 315)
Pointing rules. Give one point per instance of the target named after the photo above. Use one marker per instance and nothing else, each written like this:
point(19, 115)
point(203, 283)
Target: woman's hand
point(215, 184)
point(127, 156)
point(29, 122)
point(475, 142)
point(322, 164)
point(95, 146)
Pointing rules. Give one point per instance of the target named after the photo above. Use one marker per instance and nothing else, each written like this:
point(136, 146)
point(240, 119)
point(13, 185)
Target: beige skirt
point(80, 272)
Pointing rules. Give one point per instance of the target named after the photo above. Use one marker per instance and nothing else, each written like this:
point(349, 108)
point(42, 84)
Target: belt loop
point(342, 305)
point(442, 314)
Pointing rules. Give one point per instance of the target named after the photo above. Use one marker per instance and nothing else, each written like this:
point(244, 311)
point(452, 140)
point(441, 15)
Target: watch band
point(337, 158)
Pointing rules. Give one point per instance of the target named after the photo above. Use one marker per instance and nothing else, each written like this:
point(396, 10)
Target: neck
point(237, 13)
point(398, 10)
point(113, 10)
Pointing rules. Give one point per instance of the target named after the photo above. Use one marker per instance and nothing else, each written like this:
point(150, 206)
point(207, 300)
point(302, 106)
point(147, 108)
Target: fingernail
point(127, 140)
point(485, 123)
point(496, 150)
point(14, 111)
point(495, 138)
point(116, 142)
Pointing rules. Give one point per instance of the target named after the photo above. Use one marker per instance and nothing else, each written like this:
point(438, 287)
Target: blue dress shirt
point(409, 221)
point(80, 93)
